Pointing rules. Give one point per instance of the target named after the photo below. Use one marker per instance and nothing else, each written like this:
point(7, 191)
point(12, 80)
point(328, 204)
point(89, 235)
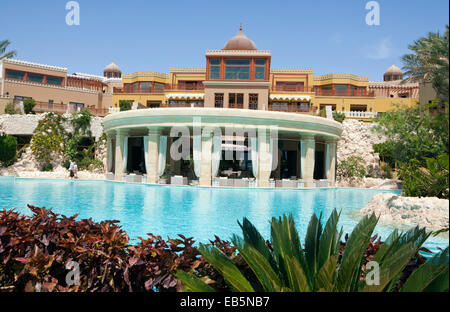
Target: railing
point(61, 108)
point(344, 93)
point(291, 108)
point(291, 89)
point(166, 87)
point(356, 114)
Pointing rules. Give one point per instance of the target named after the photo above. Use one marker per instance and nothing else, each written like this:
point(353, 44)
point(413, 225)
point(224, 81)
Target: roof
point(240, 42)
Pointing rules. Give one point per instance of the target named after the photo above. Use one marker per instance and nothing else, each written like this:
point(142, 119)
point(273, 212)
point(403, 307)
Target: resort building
point(237, 89)
point(54, 90)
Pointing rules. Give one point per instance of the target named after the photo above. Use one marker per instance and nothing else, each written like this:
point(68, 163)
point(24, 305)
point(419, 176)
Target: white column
point(308, 146)
point(109, 160)
point(331, 162)
point(206, 164)
point(264, 158)
point(152, 155)
point(118, 170)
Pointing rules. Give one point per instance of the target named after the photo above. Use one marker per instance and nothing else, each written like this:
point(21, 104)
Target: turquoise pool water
point(197, 212)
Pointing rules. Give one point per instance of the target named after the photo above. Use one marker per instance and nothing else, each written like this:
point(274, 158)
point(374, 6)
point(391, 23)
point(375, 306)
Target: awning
point(297, 98)
point(185, 96)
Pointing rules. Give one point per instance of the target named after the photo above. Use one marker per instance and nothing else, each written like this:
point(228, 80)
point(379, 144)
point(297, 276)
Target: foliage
point(34, 252)
point(28, 105)
point(81, 122)
point(386, 170)
point(10, 109)
point(282, 264)
point(125, 105)
point(352, 167)
point(3, 46)
point(48, 138)
point(431, 180)
point(430, 62)
point(412, 136)
point(8, 148)
point(338, 116)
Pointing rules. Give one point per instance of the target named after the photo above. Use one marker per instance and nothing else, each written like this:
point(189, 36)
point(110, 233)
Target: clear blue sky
point(328, 36)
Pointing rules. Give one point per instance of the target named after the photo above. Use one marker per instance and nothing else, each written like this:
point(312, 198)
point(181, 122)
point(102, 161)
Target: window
point(253, 101)
point(358, 108)
point(146, 87)
point(218, 99)
point(260, 69)
point(236, 100)
point(134, 87)
point(35, 78)
point(54, 80)
point(214, 69)
point(158, 87)
point(153, 104)
point(15, 75)
point(236, 69)
point(289, 86)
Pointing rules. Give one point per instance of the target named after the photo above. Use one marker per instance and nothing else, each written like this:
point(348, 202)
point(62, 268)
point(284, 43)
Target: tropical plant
point(429, 62)
point(3, 46)
point(283, 265)
point(8, 148)
point(10, 109)
point(81, 122)
point(431, 180)
point(28, 105)
point(411, 136)
point(338, 116)
point(351, 167)
point(125, 105)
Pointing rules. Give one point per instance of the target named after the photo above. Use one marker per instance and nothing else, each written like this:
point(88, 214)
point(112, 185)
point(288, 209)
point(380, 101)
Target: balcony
point(46, 107)
point(161, 89)
point(291, 108)
point(365, 93)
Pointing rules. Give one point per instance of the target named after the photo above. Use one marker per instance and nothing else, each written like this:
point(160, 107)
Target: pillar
point(308, 159)
point(109, 153)
point(331, 162)
point(264, 168)
point(120, 153)
point(151, 163)
point(206, 165)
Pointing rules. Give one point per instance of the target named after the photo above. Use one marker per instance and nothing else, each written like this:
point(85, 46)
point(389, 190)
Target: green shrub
point(352, 167)
point(321, 264)
point(429, 181)
point(386, 170)
point(125, 105)
point(338, 116)
point(81, 122)
point(8, 149)
point(10, 109)
point(28, 106)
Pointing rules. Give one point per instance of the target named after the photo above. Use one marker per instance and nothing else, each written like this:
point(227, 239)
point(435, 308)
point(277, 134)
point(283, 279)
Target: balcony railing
point(291, 108)
point(291, 89)
point(344, 93)
point(60, 108)
point(357, 114)
point(166, 87)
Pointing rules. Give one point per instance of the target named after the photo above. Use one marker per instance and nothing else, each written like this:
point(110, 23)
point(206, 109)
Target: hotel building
point(236, 89)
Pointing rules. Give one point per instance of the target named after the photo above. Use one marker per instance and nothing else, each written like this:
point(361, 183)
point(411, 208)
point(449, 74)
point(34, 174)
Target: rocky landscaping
point(429, 212)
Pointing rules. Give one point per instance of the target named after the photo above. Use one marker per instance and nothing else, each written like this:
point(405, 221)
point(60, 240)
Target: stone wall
point(357, 140)
point(25, 124)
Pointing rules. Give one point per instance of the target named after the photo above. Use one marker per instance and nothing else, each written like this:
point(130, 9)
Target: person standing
point(71, 173)
point(75, 170)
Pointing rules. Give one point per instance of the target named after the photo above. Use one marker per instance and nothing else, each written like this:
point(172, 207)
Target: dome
point(112, 71)
point(393, 70)
point(240, 42)
point(393, 73)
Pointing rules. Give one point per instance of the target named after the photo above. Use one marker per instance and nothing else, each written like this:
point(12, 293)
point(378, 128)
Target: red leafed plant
point(34, 251)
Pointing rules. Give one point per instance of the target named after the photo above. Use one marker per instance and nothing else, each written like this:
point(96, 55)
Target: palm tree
point(3, 45)
point(429, 62)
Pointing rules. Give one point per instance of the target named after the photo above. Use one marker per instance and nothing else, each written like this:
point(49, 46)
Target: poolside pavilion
point(231, 131)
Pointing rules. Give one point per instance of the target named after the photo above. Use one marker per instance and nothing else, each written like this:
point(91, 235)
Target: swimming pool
point(191, 211)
